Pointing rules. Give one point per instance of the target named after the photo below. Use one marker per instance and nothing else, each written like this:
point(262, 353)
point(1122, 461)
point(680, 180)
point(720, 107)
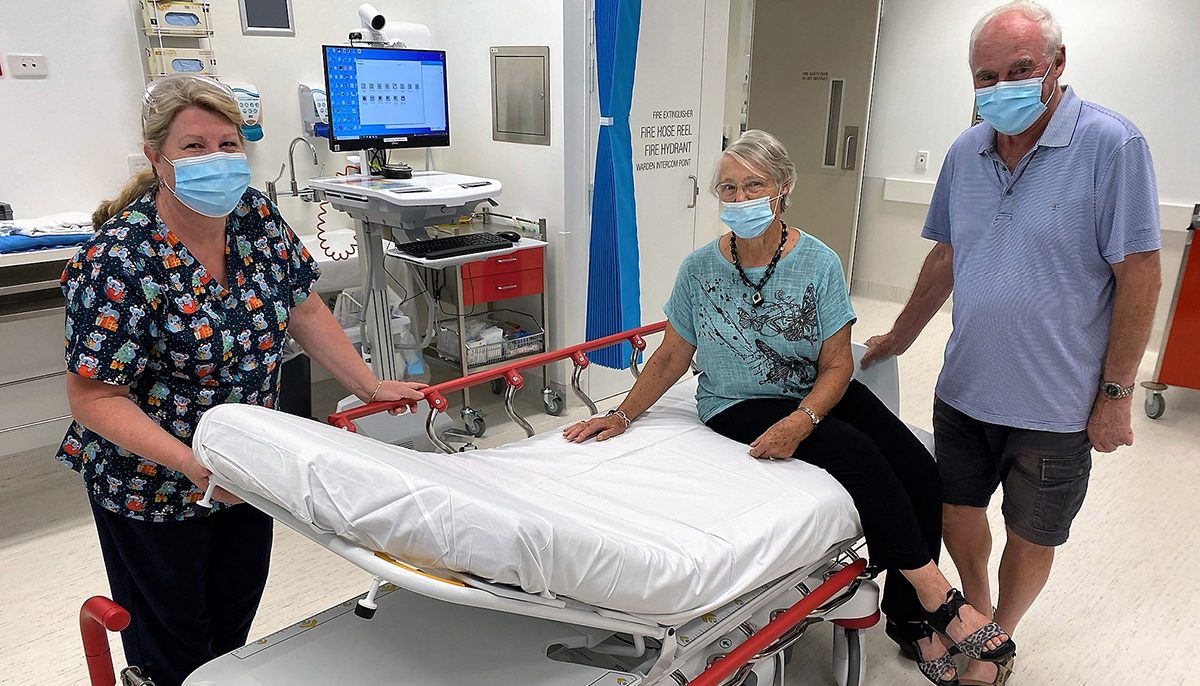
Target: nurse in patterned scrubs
point(766, 313)
point(182, 301)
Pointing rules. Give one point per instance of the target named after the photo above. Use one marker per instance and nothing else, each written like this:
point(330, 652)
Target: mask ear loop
point(1053, 63)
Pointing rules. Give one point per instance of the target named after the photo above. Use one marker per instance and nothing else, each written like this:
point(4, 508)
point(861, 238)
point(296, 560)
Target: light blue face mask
point(213, 184)
point(1011, 107)
point(749, 218)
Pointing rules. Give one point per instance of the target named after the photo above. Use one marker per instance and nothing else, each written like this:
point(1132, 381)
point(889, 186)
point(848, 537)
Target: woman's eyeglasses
point(751, 188)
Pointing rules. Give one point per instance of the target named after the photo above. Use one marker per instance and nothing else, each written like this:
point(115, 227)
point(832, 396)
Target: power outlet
point(138, 163)
point(922, 160)
point(27, 66)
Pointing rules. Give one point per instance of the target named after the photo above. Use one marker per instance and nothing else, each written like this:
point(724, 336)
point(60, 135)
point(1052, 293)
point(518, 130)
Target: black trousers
point(889, 474)
point(191, 587)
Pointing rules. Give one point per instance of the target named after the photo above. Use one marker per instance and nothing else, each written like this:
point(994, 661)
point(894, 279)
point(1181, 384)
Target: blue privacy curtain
point(614, 292)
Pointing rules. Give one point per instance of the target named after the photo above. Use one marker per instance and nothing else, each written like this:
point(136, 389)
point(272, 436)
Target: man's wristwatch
point(1115, 391)
point(811, 415)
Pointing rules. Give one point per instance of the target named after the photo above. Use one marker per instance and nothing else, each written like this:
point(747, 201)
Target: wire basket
point(522, 336)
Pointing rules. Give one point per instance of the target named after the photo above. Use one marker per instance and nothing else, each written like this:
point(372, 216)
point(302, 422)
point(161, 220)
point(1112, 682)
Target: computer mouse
point(511, 236)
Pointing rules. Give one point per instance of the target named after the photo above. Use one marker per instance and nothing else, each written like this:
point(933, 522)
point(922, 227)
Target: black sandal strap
point(940, 618)
point(972, 646)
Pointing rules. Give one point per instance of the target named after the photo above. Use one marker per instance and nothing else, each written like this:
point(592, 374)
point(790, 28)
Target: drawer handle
point(506, 288)
point(498, 261)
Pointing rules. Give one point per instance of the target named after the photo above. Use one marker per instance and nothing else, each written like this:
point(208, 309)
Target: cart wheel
point(848, 656)
point(473, 421)
point(498, 386)
point(1156, 405)
point(553, 401)
point(476, 425)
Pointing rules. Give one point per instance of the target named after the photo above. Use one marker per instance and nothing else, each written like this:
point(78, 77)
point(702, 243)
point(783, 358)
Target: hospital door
point(811, 66)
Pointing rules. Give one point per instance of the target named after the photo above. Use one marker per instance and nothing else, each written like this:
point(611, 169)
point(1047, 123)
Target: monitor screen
point(386, 98)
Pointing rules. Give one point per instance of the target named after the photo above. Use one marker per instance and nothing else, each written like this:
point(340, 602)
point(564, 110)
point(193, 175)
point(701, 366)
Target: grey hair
point(762, 152)
point(1051, 30)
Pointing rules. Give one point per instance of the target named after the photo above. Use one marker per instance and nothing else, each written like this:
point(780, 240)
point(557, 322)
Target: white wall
point(68, 136)
point(65, 140)
point(1135, 59)
point(532, 174)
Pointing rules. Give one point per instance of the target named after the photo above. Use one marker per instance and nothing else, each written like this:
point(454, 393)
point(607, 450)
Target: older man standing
point(1047, 230)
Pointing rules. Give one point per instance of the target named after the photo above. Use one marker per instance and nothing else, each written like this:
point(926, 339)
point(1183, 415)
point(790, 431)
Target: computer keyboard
point(453, 246)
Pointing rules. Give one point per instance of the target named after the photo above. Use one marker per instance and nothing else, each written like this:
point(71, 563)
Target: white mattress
point(666, 521)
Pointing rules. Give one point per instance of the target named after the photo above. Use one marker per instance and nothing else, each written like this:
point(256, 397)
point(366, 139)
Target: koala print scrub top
point(141, 311)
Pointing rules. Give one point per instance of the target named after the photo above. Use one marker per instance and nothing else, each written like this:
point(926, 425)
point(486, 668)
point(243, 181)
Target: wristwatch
point(1115, 391)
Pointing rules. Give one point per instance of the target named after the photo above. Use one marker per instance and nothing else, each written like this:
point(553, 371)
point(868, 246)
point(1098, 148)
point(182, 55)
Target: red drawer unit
point(486, 289)
point(512, 262)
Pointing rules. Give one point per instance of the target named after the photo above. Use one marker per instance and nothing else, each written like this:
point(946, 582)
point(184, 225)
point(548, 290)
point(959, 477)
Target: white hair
point(1051, 31)
point(759, 150)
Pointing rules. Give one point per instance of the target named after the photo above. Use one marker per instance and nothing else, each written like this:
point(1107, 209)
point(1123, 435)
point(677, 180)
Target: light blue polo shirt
point(1033, 249)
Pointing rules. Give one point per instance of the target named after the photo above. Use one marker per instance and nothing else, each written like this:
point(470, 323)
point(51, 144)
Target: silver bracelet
point(811, 415)
point(619, 413)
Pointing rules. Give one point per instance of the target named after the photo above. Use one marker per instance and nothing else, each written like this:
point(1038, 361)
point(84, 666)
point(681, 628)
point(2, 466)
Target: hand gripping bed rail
point(97, 617)
point(435, 396)
point(760, 644)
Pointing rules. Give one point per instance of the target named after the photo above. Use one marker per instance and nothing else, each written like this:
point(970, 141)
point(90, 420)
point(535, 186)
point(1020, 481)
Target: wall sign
point(666, 141)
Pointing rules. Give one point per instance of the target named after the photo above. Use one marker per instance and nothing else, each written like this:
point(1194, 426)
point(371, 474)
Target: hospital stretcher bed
point(663, 556)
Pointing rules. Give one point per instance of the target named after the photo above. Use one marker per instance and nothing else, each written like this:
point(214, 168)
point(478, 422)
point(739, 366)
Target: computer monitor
point(386, 98)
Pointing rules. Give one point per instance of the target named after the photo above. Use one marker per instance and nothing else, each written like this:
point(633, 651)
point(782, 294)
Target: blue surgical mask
point(749, 218)
point(1011, 107)
point(213, 184)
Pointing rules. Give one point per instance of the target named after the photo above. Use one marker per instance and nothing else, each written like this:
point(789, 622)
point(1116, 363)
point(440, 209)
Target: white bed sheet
point(666, 521)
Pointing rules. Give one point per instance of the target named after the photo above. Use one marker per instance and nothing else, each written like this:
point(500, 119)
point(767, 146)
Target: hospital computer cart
point(387, 97)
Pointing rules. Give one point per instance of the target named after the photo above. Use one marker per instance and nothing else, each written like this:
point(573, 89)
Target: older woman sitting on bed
point(766, 313)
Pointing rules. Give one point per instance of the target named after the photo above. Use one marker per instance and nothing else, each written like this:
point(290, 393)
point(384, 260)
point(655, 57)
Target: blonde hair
point(756, 149)
point(161, 102)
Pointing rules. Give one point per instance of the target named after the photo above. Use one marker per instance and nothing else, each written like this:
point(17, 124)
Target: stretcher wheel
point(553, 401)
point(1156, 405)
point(498, 386)
point(848, 656)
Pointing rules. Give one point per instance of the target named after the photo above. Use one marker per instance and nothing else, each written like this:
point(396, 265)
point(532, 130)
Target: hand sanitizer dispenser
point(314, 110)
point(250, 103)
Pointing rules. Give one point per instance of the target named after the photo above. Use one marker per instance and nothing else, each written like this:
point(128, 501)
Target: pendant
point(756, 299)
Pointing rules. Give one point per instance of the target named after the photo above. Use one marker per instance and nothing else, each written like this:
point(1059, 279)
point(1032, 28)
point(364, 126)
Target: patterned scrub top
point(142, 312)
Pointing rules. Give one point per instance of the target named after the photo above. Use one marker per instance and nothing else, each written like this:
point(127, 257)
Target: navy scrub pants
point(191, 587)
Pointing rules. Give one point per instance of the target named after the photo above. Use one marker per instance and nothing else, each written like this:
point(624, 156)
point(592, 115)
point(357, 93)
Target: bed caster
point(553, 401)
point(498, 386)
point(849, 659)
point(365, 607)
point(1156, 404)
point(473, 421)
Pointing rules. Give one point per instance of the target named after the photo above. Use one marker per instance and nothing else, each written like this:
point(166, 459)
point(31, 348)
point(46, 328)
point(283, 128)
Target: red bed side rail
point(436, 395)
point(725, 667)
point(97, 617)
